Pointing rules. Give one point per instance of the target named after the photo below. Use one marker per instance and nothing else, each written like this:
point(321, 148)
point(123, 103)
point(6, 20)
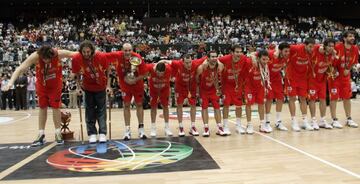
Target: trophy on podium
point(66, 133)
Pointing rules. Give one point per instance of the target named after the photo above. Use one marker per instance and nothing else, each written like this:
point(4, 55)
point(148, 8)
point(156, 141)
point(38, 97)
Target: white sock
point(278, 116)
point(153, 125)
point(225, 122)
point(127, 128)
point(206, 125)
point(192, 124)
point(322, 119)
point(267, 117)
point(293, 118)
point(41, 132)
point(219, 124)
point(313, 119)
point(141, 130)
point(304, 117)
point(249, 123)
point(181, 125)
point(57, 130)
point(238, 122)
point(166, 124)
point(262, 122)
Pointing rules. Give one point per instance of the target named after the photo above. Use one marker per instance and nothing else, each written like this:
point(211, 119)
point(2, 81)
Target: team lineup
point(304, 71)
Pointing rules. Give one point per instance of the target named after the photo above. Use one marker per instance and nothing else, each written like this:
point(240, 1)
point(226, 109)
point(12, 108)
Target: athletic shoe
point(240, 129)
point(181, 132)
point(325, 124)
point(59, 139)
point(280, 126)
point(39, 141)
point(102, 138)
point(295, 126)
point(306, 126)
point(351, 123)
point(142, 133)
point(127, 135)
point(265, 127)
point(227, 130)
point(153, 131)
point(315, 125)
point(336, 124)
point(168, 132)
point(92, 139)
point(220, 131)
point(250, 129)
point(206, 132)
point(193, 131)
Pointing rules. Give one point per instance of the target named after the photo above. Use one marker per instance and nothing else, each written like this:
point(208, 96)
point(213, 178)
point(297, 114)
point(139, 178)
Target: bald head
point(127, 49)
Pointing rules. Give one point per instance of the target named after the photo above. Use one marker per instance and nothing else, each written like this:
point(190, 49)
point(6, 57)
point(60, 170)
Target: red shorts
point(182, 95)
point(254, 96)
point(317, 90)
point(49, 97)
point(159, 95)
point(296, 88)
point(210, 97)
point(276, 91)
point(232, 97)
point(340, 88)
point(137, 94)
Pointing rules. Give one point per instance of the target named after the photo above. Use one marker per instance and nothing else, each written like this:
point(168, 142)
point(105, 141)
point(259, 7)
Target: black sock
point(141, 125)
point(349, 118)
point(335, 119)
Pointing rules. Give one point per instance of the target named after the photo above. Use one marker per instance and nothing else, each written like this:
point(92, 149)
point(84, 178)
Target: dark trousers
point(6, 98)
point(95, 110)
point(21, 102)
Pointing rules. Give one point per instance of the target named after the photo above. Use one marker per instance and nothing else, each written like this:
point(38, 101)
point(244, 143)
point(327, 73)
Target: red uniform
point(232, 71)
point(49, 82)
point(297, 71)
point(93, 71)
point(254, 88)
point(159, 86)
point(317, 74)
point(185, 80)
point(341, 86)
point(275, 66)
point(123, 67)
point(207, 87)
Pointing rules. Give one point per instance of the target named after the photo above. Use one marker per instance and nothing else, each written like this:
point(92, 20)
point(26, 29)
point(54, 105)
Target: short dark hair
point(46, 52)
point(187, 56)
point(88, 44)
point(327, 41)
point(309, 40)
point(160, 67)
point(284, 45)
point(210, 52)
point(236, 46)
point(347, 33)
point(262, 52)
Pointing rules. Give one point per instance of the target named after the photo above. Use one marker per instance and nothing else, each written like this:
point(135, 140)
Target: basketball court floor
point(325, 156)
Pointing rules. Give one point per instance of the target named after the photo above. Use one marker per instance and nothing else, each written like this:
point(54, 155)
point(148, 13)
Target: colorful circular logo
point(119, 156)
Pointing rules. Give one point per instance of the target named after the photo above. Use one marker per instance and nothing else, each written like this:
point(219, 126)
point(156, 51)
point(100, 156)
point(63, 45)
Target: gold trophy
point(135, 62)
point(65, 131)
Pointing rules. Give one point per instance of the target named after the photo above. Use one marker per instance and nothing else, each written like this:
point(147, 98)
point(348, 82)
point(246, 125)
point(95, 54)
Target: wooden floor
point(325, 156)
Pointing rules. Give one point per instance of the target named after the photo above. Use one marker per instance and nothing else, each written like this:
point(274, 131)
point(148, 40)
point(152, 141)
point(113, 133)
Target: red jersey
point(346, 59)
point(93, 71)
point(49, 76)
point(254, 78)
point(232, 70)
point(299, 62)
point(184, 78)
point(208, 78)
point(275, 65)
point(319, 65)
point(156, 82)
point(123, 67)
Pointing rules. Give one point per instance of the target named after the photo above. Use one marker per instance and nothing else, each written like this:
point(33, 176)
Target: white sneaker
point(265, 127)
point(127, 135)
point(181, 132)
point(227, 130)
point(102, 138)
point(142, 133)
point(351, 123)
point(250, 129)
point(168, 132)
point(280, 126)
point(295, 126)
point(325, 124)
point(92, 139)
point(193, 131)
point(153, 131)
point(206, 132)
point(315, 125)
point(336, 124)
point(240, 129)
point(306, 126)
point(220, 131)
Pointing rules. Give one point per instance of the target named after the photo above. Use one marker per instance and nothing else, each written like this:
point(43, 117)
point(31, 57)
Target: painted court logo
point(119, 156)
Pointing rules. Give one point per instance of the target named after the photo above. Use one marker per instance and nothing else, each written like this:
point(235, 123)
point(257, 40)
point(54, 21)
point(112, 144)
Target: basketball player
point(47, 61)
